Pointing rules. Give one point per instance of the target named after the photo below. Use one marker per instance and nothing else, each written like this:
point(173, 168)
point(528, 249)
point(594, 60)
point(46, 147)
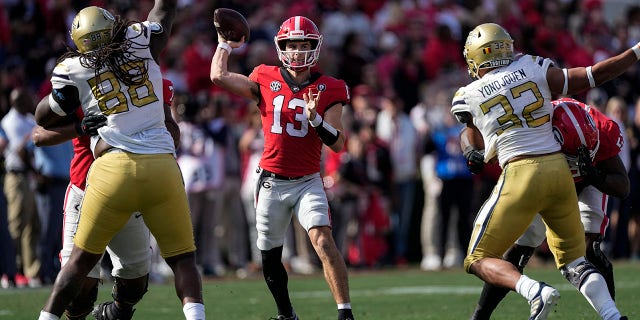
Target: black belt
point(267, 173)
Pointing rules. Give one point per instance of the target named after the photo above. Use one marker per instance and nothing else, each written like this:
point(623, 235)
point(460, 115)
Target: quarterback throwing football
point(300, 110)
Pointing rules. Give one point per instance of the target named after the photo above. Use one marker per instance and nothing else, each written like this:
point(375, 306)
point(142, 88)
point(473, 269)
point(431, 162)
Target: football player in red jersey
point(300, 110)
point(591, 142)
point(129, 249)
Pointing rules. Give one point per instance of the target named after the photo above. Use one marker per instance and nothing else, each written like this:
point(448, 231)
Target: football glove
point(90, 125)
point(475, 160)
point(587, 170)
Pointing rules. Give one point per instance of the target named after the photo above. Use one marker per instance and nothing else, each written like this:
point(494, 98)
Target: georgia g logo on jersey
point(275, 86)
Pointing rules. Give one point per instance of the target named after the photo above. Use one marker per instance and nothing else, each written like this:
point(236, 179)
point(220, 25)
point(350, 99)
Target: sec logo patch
point(275, 86)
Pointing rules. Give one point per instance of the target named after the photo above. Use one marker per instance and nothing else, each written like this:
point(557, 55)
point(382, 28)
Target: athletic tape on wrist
point(565, 88)
point(225, 46)
point(592, 82)
point(316, 121)
point(636, 50)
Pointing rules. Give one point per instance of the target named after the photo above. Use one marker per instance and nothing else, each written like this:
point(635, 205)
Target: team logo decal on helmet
point(275, 86)
point(298, 28)
point(487, 46)
point(91, 28)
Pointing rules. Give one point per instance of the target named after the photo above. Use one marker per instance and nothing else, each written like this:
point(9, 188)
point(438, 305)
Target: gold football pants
point(526, 187)
point(120, 183)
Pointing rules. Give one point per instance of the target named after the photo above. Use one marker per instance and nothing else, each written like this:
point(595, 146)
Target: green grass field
point(377, 295)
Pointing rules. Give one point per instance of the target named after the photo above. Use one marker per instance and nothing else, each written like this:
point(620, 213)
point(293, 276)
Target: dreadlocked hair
point(116, 56)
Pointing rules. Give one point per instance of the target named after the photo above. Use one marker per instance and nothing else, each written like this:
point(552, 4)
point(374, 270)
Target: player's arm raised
point(222, 77)
point(575, 80)
point(163, 12)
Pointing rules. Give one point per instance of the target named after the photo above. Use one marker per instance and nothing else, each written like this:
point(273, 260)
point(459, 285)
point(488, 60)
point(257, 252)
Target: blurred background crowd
point(400, 193)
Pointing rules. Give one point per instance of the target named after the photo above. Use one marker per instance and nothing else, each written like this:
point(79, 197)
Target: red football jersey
point(610, 136)
point(82, 158)
point(292, 147)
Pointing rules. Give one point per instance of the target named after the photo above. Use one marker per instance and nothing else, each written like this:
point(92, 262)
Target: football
point(471, 138)
point(231, 24)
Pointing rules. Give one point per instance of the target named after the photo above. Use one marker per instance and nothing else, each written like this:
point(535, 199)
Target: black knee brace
point(82, 304)
point(577, 275)
point(129, 291)
point(519, 256)
point(600, 261)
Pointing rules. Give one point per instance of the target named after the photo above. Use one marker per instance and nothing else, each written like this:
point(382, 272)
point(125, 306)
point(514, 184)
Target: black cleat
point(281, 317)
point(109, 311)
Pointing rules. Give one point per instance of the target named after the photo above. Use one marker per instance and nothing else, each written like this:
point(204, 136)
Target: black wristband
point(327, 133)
point(327, 137)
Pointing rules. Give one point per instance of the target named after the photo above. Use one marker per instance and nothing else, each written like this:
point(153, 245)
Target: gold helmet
point(487, 46)
point(91, 28)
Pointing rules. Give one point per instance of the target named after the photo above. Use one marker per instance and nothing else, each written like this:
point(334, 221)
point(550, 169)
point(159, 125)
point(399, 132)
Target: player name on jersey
point(509, 78)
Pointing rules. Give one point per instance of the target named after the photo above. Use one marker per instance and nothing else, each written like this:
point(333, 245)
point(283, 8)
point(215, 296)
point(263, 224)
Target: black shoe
point(345, 314)
point(624, 318)
point(281, 317)
point(109, 311)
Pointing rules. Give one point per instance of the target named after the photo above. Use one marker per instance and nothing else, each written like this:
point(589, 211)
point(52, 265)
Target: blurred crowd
point(399, 193)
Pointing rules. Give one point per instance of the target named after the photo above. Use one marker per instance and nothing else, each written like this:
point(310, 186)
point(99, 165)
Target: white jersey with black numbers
point(135, 113)
point(511, 106)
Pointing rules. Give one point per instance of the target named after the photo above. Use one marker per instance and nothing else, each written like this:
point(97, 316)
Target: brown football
point(473, 138)
point(231, 24)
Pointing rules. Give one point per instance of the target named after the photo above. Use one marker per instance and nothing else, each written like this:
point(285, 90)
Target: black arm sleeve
point(67, 97)
point(463, 117)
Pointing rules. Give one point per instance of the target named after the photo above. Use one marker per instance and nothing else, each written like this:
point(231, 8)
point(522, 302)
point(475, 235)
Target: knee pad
point(82, 304)
point(129, 291)
point(519, 256)
point(579, 273)
point(597, 257)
